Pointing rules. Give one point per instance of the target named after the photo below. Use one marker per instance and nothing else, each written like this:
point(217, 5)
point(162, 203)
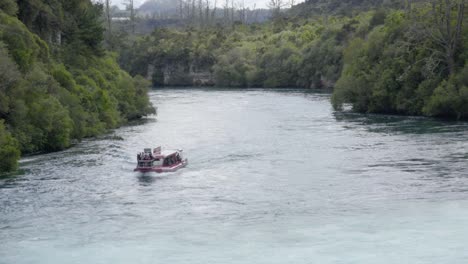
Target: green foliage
point(40, 16)
point(83, 33)
point(305, 54)
point(9, 7)
point(52, 122)
point(236, 68)
point(322, 62)
point(378, 18)
point(63, 77)
point(48, 99)
point(9, 152)
point(450, 98)
point(398, 69)
point(9, 77)
point(25, 47)
point(140, 99)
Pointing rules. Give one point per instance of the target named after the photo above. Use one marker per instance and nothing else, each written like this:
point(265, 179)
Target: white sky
point(248, 3)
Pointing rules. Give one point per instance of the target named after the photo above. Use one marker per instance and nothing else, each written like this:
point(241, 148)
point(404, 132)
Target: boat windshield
point(144, 164)
point(149, 163)
point(157, 162)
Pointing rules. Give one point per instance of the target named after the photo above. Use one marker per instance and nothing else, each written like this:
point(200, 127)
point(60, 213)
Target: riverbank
point(57, 82)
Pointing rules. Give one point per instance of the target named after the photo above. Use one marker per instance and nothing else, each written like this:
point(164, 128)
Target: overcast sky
point(248, 3)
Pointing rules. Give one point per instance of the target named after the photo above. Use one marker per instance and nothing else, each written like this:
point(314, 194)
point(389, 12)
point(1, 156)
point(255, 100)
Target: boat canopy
point(167, 153)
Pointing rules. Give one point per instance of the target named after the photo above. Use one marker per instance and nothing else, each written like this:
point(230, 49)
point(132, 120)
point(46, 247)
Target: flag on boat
point(157, 150)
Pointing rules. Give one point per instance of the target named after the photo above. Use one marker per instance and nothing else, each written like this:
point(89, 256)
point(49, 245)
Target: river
point(274, 176)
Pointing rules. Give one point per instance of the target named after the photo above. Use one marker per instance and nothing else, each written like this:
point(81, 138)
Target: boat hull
point(163, 169)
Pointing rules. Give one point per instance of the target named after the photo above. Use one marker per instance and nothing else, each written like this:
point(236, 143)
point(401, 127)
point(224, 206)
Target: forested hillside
point(279, 54)
point(413, 64)
point(57, 83)
point(399, 57)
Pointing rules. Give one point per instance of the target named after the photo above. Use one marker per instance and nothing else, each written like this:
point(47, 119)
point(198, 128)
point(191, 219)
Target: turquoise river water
point(274, 176)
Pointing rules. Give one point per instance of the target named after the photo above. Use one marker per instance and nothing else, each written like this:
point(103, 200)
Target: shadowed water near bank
point(274, 177)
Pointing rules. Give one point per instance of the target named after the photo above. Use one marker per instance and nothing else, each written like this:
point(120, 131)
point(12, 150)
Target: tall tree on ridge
point(107, 8)
point(275, 6)
point(447, 27)
point(130, 7)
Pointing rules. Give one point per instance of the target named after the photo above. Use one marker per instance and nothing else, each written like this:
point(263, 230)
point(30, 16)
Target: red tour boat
point(160, 161)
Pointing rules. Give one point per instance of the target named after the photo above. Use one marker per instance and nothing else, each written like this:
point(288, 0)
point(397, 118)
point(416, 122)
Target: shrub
point(9, 150)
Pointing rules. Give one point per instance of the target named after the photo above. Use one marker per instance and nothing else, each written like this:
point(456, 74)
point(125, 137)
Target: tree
point(131, 8)
point(9, 6)
point(213, 12)
point(226, 12)
point(292, 3)
point(444, 28)
point(9, 152)
point(107, 7)
point(9, 77)
point(200, 13)
point(449, 30)
point(275, 6)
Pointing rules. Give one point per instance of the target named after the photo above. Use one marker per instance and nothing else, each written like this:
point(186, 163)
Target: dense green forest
point(382, 56)
point(300, 47)
point(57, 82)
point(413, 64)
point(233, 53)
point(305, 53)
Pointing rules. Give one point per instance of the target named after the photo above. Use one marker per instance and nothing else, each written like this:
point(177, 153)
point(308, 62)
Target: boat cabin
point(169, 158)
point(157, 158)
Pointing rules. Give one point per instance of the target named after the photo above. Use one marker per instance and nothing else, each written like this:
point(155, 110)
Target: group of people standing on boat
point(168, 161)
point(144, 156)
